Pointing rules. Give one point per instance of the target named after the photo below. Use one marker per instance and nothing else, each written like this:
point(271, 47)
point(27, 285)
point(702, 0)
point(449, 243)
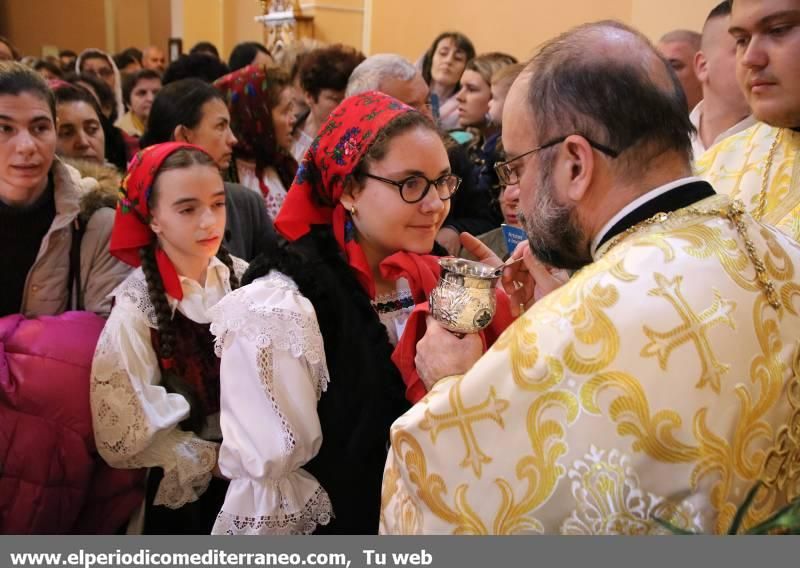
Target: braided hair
point(170, 378)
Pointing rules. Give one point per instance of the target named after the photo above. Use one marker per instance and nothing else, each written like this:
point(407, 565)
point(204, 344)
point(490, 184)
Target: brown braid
point(225, 257)
point(155, 287)
point(170, 379)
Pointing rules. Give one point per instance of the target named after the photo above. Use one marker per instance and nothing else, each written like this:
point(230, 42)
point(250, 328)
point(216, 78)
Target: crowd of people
point(214, 308)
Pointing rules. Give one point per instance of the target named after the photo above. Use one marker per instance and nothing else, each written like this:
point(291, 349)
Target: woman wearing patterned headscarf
point(155, 378)
point(361, 221)
point(262, 117)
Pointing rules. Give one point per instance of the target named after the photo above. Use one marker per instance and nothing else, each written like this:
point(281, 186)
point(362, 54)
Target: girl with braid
point(155, 390)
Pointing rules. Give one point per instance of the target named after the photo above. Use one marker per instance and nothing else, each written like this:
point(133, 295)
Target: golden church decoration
point(285, 24)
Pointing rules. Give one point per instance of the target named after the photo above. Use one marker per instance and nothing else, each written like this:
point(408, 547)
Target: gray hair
point(374, 69)
point(689, 37)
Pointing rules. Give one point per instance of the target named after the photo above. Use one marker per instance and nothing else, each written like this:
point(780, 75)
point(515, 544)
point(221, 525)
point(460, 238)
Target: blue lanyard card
point(514, 236)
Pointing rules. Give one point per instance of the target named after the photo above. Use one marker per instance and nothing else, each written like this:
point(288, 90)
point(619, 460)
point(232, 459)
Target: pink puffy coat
point(51, 477)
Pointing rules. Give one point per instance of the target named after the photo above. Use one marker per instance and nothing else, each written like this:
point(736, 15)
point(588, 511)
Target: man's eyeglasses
point(413, 189)
point(508, 175)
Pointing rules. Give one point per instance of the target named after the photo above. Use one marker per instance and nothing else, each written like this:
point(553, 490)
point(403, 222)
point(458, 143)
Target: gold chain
point(734, 212)
point(762, 196)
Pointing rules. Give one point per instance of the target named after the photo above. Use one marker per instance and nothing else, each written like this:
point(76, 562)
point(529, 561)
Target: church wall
point(501, 25)
point(657, 18)
point(338, 21)
point(204, 20)
point(32, 24)
point(513, 26)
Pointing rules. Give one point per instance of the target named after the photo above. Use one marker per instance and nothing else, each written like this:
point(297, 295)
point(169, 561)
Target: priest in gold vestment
point(761, 166)
point(655, 388)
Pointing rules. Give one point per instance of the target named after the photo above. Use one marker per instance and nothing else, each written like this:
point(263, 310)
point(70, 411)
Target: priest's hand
point(479, 250)
point(443, 354)
point(528, 281)
point(448, 238)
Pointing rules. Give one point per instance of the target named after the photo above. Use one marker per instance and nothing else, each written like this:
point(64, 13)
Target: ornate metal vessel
point(464, 298)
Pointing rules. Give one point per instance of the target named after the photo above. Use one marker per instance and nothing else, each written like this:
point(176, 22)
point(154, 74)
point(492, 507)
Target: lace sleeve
point(135, 420)
point(272, 373)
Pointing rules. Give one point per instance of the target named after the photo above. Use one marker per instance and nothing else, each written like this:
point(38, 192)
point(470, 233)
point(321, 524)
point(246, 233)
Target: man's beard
point(554, 235)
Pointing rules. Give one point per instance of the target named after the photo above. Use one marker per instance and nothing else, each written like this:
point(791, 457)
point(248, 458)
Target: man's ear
point(579, 163)
point(701, 67)
point(181, 134)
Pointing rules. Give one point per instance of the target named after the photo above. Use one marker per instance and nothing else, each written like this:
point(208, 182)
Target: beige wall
point(338, 21)
point(160, 23)
point(31, 24)
point(132, 24)
point(204, 20)
point(79, 24)
point(657, 18)
point(518, 27)
point(514, 26)
point(240, 24)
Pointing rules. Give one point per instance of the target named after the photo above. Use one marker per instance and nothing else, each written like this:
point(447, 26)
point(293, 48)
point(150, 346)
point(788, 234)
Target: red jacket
point(51, 478)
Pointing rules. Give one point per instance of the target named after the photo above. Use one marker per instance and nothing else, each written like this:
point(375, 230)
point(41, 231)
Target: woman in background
point(262, 117)
point(442, 67)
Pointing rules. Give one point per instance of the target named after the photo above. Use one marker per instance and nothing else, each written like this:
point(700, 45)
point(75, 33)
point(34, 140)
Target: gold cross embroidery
point(694, 328)
point(462, 417)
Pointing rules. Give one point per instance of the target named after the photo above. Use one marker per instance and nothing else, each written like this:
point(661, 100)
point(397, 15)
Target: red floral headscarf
point(132, 229)
point(315, 195)
point(246, 93)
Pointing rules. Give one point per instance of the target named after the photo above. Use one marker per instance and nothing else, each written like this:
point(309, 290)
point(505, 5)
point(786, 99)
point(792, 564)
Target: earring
point(353, 211)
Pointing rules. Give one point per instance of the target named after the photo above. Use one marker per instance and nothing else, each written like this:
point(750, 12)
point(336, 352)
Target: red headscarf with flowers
point(132, 229)
point(315, 195)
point(247, 94)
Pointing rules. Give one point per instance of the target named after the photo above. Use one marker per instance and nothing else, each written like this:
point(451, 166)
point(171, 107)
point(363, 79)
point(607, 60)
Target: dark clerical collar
point(678, 197)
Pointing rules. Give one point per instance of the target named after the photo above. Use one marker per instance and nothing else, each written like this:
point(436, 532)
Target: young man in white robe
point(723, 111)
point(660, 381)
point(761, 166)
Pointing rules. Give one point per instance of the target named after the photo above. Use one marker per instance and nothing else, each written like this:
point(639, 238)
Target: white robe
point(657, 383)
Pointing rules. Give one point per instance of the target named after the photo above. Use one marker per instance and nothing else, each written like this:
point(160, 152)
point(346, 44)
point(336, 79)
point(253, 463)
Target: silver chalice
point(463, 300)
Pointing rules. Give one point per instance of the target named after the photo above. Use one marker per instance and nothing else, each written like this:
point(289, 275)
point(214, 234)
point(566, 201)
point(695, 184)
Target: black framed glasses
point(508, 176)
point(413, 189)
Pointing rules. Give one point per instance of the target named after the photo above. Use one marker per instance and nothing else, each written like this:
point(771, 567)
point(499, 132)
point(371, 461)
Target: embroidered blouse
point(136, 421)
point(276, 192)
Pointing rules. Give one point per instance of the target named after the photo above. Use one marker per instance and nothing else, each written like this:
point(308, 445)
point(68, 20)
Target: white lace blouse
point(272, 374)
point(136, 421)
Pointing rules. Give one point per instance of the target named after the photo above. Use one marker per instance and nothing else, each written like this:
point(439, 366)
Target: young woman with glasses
point(332, 304)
